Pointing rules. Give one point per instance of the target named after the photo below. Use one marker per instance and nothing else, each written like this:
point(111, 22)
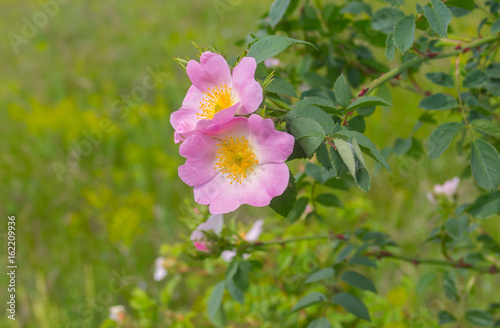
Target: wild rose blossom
point(117, 313)
point(160, 270)
point(252, 235)
point(214, 223)
point(238, 161)
point(216, 94)
point(447, 189)
point(272, 62)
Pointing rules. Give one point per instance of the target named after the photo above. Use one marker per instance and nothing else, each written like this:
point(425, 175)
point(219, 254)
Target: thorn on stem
point(340, 236)
point(363, 91)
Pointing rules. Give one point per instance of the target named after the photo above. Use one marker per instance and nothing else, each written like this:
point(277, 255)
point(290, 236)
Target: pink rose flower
point(447, 189)
point(160, 270)
point(238, 161)
point(216, 94)
point(117, 313)
point(252, 236)
point(272, 62)
point(214, 223)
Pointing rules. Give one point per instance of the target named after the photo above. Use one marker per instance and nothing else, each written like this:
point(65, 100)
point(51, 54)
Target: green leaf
point(307, 132)
point(493, 71)
point(362, 260)
point(298, 209)
point(346, 153)
point(284, 203)
point(241, 278)
point(343, 92)
point(329, 200)
point(358, 280)
point(479, 317)
point(495, 27)
point(320, 323)
point(236, 293)
point(367, 147)
point(401, 146)
point(442, 137)
point(308, 300)
point(485, 206)
point(441, 78)
point(439, 17)
point(277, 11)
point(384, 19)
point(404, 33)
point(488, 127)
point(390, 46)
point(449, 287)
point(271, 46)
point(475, 79)
point(362, 178)
point(366, 101)
point(313, 112)
point(324, 159)
point(318, 173)
point(352, 304)
point(356, 7)
point(464, 4)
point(281, 86)
point(357, 123)
point(215, 310)
point(322, 274)
point(485, 164)
point(456, 227)
point(318, 101)
point(438, 101)
point(445, 317)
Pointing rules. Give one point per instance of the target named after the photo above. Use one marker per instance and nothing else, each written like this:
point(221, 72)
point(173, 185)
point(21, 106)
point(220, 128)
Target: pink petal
point(235, 127)
point(200, 151)
point(211, 71)
point(202, 246)
point(254, 233)
point(272, 62)
point(184, 119)
point(193, 98)
point(160, 271)
point(245, 87)
point(214, 223)
point(227, 256)
point(450, 186)
point(219, 117)
point(266, 182)
point(271, 146)
point(431, 198)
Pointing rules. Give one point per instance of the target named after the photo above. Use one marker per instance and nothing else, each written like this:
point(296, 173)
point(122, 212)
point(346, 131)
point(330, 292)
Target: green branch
point(417, 60)
point(384, 254)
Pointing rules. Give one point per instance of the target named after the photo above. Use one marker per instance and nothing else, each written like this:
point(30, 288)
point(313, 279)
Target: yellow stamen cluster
point(236, 158)
point(215, 100)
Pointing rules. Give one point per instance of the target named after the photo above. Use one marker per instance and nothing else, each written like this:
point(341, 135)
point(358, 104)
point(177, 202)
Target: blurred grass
point(121, 202)
point(109, 215)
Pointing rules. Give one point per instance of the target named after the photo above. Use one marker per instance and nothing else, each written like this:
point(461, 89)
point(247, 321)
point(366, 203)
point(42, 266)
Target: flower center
point(215, 100)
point(235, 158)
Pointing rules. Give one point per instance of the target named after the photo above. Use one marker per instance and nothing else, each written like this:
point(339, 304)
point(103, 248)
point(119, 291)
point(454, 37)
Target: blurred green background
point(84, 224)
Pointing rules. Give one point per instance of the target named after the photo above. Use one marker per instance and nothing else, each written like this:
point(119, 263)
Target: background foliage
point(88, 241)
